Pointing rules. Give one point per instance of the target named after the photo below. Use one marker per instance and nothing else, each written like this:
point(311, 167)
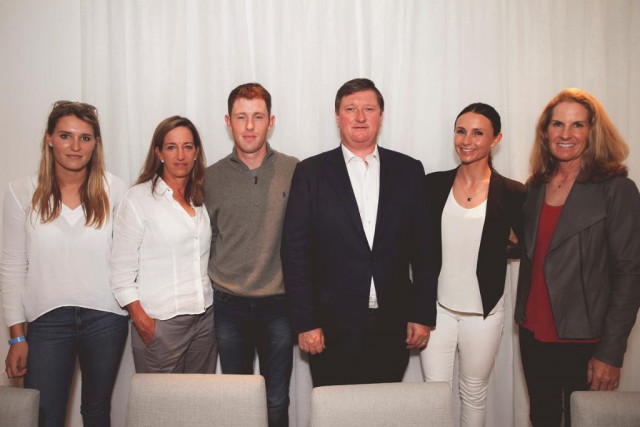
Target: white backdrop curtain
point(143, 61)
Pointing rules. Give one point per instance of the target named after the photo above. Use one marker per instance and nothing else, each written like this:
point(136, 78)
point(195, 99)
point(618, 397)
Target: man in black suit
point(354, 227)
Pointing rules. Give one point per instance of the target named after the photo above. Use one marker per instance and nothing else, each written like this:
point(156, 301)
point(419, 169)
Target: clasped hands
point(312, 341)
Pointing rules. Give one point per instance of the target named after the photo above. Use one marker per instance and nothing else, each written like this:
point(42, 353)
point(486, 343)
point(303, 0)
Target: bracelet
point(16, 340)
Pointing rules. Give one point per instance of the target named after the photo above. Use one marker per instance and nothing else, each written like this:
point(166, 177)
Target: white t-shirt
point(160, 254)
point(56, 264)
point(458, 287)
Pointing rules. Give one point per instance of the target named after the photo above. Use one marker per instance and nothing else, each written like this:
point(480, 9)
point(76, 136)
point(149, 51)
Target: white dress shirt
point(160, 254)
point(365, 182)
point(55, 264)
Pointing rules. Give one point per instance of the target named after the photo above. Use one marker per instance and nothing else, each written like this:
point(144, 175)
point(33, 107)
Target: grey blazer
point(592, 266)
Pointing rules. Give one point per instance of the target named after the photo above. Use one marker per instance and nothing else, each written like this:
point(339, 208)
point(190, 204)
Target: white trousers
point(477, 340)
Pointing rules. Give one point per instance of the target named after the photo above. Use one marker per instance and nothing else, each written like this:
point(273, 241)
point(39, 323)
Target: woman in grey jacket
point(579, 285)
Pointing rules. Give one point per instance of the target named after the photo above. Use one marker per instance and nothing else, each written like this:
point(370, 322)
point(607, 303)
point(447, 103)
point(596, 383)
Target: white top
point(160, 254)
point(458, 287)
point(365, 182)
point(56, 264)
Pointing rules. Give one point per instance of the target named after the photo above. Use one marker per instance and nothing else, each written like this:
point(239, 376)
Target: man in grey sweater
point(246, 195)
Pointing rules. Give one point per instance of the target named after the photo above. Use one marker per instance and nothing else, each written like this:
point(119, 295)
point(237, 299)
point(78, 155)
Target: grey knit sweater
point(247, 208)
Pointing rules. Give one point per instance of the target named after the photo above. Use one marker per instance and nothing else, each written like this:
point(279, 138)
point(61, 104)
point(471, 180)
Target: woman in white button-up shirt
point(162, 238)
point(55, 270)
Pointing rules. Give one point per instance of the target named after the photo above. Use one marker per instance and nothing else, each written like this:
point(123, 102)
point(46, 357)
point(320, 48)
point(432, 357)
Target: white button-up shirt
point(160, 254)
point(365, 182)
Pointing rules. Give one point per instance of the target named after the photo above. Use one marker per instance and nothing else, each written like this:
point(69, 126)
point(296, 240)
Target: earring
point(161, 160)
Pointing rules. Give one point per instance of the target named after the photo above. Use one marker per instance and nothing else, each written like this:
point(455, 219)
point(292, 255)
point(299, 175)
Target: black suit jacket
point(326, 259)
point(504, 212)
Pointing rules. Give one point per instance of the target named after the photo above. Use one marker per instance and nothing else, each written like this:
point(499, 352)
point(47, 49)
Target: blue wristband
point(16, 340)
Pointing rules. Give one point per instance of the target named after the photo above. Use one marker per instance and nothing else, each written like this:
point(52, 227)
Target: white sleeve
point(117, 190)
point(14, 266)
point(128, 232)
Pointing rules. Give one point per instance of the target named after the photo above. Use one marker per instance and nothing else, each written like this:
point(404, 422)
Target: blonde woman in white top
point(162, 239)
point(55, 270)
point(472, 210)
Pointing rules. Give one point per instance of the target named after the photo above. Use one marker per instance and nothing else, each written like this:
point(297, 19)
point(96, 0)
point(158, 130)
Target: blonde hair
point(47, 198)
point(604, 154)
point(153, 168)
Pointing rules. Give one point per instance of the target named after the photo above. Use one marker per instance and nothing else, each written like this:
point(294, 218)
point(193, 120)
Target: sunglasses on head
point(64, 103)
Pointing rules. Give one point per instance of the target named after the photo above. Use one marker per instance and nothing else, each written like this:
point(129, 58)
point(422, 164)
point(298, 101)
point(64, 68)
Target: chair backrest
point(19, 407)
point(170, 400)
point(392, 404)
point(605, 408)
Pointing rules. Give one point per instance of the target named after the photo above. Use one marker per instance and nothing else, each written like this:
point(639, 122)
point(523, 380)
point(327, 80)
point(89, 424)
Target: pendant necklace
point(469, 198)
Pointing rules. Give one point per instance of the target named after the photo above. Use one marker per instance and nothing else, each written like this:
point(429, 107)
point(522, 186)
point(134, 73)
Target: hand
point(417, 335)
point(312, 341)
point(144, 324)
point(602, 376)
point(16, 361)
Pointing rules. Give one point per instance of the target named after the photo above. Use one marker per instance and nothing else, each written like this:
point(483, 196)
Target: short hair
point(47, 198)
point(484, 110)
point(606, 149)
point(249, 91)
point(357, 85)
point(153, 168)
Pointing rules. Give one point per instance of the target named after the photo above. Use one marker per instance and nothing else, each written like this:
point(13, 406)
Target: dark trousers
point(246, 325)
point(382, 357)
point(553, 371)
point(56, 338)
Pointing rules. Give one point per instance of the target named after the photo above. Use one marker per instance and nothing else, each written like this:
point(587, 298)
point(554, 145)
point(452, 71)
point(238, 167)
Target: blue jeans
point(244, 325)
point(56, 338)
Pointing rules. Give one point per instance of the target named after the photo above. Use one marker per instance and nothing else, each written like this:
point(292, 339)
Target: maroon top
point(539, 317)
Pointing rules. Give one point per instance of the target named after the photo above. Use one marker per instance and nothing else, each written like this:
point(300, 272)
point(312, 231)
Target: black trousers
point(381, 358)
point(553, 371)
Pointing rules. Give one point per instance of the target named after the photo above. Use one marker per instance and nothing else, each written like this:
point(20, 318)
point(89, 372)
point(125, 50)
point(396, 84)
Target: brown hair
point(47, 198)
point(153, 168)
point(357, 85)
point(604, 154)
point(249, 91)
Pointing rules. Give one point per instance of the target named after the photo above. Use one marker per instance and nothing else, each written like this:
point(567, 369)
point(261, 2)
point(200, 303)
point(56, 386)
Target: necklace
point(560, 181)
point(469, 198)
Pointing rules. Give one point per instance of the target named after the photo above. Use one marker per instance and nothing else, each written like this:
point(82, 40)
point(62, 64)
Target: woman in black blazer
point(472, 210)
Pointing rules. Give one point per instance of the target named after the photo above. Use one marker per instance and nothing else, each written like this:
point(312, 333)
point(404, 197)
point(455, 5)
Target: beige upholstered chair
point(393, 404)
point(170, 400)
point(19, 407)
point(605, 408)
